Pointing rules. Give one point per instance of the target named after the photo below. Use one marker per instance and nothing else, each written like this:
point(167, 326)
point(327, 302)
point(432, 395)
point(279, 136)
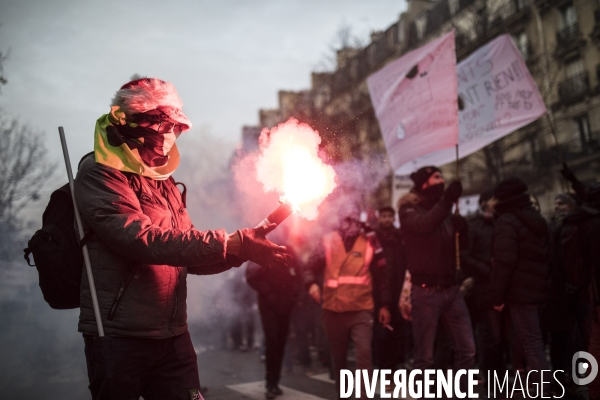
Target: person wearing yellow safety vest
point(351, 266)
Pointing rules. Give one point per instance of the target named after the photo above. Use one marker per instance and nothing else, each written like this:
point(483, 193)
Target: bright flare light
point(289, 164)
point(303, 179)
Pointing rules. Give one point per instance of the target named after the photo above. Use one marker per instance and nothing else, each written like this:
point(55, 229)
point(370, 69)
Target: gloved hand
point(256, 247)
point(459, 223)
point(567, 173)
point(453, 192)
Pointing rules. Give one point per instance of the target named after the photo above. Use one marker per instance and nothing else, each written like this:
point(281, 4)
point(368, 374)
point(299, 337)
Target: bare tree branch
point(24, 166)
point(3, 80)
point(344, 38)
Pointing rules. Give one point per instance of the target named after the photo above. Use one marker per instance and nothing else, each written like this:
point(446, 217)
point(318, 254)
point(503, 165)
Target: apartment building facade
point(560, 42)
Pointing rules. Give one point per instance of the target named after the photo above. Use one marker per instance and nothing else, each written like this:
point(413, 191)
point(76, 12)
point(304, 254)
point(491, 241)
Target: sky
point(227, 59)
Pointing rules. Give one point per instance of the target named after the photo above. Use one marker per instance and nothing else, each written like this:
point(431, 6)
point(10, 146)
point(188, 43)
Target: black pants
point(388, 346)
point(125, 368)
point(275, 322)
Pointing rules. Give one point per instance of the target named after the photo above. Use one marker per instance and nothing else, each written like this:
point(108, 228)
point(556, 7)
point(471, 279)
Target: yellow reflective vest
point(348, 283)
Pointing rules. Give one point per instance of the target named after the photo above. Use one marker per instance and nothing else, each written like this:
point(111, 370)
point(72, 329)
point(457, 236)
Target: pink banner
point(415, 101)
point(498, 96)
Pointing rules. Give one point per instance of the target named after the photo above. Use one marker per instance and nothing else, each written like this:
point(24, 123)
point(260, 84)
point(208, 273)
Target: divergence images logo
point(585, 368)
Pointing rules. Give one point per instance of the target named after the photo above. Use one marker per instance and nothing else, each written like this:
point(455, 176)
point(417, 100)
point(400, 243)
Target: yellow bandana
point(122, 157)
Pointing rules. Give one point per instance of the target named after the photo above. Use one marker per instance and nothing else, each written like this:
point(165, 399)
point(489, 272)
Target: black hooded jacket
point(477, 259)
point(429, 239)
point(520, 272)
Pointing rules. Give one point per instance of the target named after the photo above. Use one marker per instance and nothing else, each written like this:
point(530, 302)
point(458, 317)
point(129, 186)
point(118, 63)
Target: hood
point(532, 220)
point(409, 199)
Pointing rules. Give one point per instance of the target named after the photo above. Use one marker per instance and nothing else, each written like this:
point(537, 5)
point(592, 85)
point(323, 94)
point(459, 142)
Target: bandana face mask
point(168, 142)
point(130, 147)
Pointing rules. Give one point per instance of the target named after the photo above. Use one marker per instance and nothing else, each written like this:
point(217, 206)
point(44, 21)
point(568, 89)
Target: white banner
point(498, 96)
point(415, 100)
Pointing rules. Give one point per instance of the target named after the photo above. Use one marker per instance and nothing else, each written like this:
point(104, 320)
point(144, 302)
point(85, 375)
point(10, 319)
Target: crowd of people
point(497, 290)
point(502, 290)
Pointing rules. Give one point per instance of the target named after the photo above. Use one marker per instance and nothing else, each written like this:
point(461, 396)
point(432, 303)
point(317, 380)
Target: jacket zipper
point(166, 195)
point(175, 308)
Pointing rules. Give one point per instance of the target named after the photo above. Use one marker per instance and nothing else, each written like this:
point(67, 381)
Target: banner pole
point(456, 212)
point(86, 254)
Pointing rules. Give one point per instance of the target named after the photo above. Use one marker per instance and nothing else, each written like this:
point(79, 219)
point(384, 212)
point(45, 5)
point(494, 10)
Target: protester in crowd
point(564, 318)
point(243, 304)
point(428, 232)
point(388, 347)
point(351, 262)
point(277, 290)
point(143, 247)
point(302, 326)
point(477, 263)
point(578, 187)
point(564, 203)
point(535, 203)
point(520, 278)
point(581, 251)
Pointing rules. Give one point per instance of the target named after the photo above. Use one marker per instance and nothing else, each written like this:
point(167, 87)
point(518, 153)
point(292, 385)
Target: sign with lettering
point(497, 96)
point(415, 100)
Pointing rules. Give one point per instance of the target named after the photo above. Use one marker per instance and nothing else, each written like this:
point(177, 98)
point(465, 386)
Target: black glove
point(453, 192)
point(257, 248)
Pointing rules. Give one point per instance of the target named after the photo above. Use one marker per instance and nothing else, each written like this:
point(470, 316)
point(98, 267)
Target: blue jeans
point(129, 367)
point(526, 327)
point(431, 306)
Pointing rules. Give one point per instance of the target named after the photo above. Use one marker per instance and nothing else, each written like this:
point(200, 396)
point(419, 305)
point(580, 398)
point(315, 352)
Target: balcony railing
point(574, 87)
point(569, 151)
point(568, 35)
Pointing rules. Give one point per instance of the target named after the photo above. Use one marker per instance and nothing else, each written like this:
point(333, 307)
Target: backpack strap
point(86, 238)
point(183, 193)
point(27, 252)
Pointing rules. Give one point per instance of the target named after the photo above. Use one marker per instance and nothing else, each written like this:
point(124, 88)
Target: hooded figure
point(520, 272)
point(142, 248)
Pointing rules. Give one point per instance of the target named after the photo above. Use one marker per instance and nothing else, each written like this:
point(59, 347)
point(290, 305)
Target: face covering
point(434, 193)
point(134, 148)
point(168, 142)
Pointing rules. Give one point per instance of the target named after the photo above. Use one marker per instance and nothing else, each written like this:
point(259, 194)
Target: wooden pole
point(456, 212)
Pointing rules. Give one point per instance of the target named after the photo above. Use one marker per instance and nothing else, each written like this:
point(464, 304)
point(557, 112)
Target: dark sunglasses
point(168, 127)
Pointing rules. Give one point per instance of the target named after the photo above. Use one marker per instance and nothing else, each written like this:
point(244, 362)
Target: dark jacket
point(429, 240)
point(395, 257)
point(476, 259)
point(520, 272)
point(276, 287)
point(144, 246)
point(580, 245)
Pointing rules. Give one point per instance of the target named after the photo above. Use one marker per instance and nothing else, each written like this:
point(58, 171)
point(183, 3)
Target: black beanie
point(510, 187)
point(486, 195)
point(422, 175)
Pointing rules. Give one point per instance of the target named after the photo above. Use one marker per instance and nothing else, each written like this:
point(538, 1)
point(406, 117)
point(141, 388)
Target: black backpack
point(57, 252)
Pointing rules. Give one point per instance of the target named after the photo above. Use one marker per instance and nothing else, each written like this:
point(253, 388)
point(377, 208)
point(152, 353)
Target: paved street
point(231, 374)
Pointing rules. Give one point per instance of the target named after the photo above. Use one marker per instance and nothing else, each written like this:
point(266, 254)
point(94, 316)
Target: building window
point(454, 5)
point(566, 16)
point(520, 4)
point(401, 31)
point(421, 25)
point(585, 133)
point(523, 44)
point(390, 38)
point(574, 67)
